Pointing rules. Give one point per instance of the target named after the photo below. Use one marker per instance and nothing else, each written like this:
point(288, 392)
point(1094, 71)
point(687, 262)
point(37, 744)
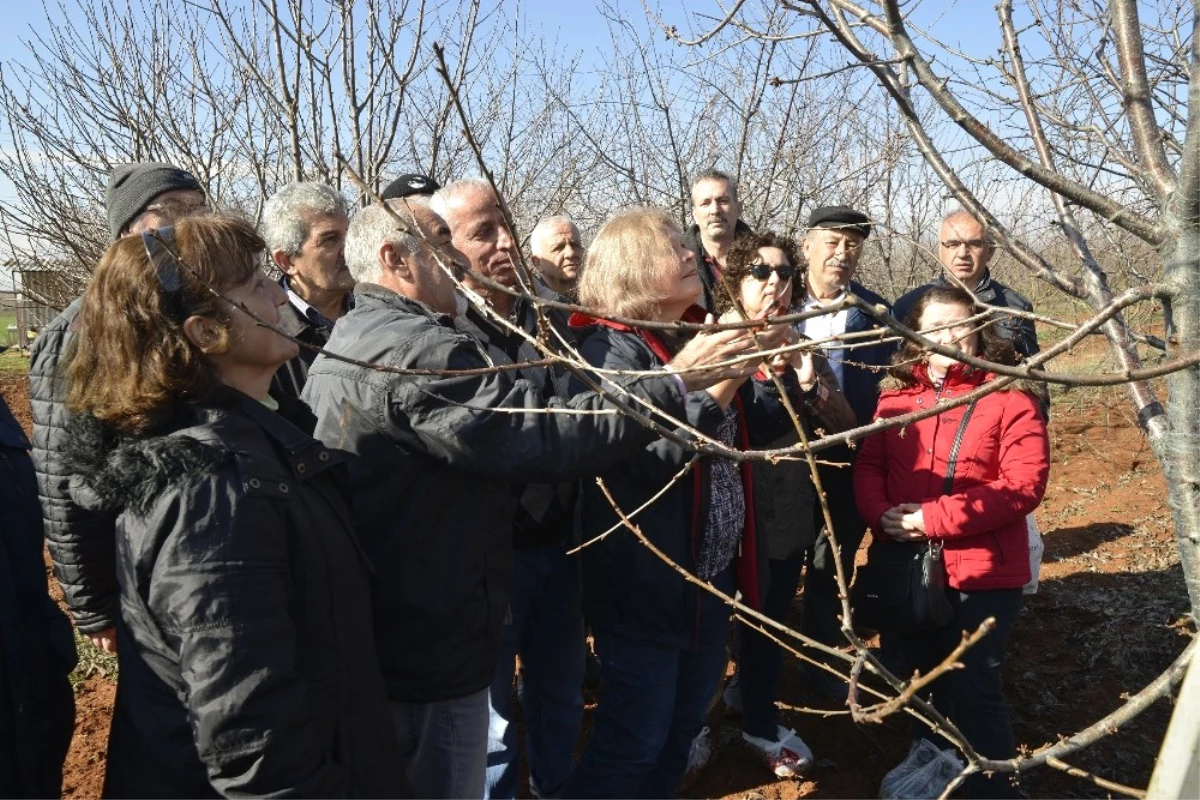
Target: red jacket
point(1003, 464)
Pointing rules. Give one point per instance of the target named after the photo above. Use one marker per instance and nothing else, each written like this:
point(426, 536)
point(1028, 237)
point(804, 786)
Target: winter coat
point(37, 652)
point(433, 461)
point(865, 366)
point(784, 495)
point(1003, 465)
point(627, 589)
point(247, 661)
point(1020, 332)
point(81, 540)
point(545, 512)
point(290, 377)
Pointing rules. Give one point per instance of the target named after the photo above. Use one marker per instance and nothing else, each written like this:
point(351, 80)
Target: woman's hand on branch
point(706, 349)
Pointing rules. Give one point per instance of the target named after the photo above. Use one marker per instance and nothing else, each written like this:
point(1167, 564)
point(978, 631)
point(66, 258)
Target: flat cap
point(408, 185)
point(840, 218)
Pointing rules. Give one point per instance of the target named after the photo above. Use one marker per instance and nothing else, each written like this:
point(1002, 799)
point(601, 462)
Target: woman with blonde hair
point(247, 663)
point(661, 639)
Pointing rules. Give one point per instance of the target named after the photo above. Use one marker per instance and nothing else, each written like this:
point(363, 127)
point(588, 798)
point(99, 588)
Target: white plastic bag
point(925, 773)
point(1036, 549)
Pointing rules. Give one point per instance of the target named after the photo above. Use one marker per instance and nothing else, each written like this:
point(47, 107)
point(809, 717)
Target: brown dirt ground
point(1108, 618)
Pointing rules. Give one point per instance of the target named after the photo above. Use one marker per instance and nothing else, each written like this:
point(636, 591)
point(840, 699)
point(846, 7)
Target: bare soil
point(1109, 616)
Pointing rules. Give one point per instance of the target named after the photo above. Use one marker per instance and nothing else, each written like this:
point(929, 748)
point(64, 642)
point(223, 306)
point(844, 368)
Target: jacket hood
point(111, 471)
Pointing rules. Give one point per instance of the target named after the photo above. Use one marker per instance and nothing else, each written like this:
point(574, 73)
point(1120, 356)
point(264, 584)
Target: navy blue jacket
point(866, 366)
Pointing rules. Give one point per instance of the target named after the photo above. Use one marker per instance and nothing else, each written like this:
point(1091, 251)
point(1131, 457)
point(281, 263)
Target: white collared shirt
point(827, 326)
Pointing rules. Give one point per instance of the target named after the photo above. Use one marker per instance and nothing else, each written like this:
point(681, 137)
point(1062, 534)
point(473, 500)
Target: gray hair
point(714, 174)
point(442, 198)
point(285, 225)
point(373, 227)
point(544, 224)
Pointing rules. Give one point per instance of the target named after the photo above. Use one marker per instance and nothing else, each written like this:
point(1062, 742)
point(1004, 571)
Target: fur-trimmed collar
point(111, 471)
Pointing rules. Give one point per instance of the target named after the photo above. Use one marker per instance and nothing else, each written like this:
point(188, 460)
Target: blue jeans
point(443, 745)
point(546, 630)
point(652, 706)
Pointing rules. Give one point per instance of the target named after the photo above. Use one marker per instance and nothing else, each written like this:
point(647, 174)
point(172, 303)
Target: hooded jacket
point(1000, 477)
point(247, 662)
point(627, 589)
point(433, 462)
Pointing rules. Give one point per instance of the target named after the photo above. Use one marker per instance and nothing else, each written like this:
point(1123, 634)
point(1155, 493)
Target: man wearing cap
point(410, 185)
point(81, 543)
point(832, 249)
point(304, 225)
point(964, 250)
point(716, 217)
point(556, 253)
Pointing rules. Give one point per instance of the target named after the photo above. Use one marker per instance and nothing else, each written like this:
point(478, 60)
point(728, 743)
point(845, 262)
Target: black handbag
point(902, 587)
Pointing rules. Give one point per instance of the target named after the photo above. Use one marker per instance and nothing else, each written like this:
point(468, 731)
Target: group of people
point(319, 557)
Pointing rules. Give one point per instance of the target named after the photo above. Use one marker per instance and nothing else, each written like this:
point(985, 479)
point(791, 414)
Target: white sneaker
point(787, 757)
point(698, 757)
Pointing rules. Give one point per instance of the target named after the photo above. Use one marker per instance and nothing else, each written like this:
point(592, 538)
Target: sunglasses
point(160, 249)
point(762, 272)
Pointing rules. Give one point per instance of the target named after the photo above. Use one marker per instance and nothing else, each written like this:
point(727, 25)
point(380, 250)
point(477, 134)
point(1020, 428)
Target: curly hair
point(742, 255)
point(132, 362)
point(992, 346)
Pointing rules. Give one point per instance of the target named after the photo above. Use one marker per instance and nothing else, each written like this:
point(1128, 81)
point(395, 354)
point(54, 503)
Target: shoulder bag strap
point(953, 460)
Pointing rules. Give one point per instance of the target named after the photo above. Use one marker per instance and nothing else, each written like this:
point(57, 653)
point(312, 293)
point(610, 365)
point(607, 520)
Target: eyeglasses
point(762, 272)
point(160, 249)
point(972, 244)
point(175, 209)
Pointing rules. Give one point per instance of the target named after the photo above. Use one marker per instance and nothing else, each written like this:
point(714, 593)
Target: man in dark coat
point(433, 460)
point(964, 250)
point(716, 217)
point(140, 197)
point(304, 225)
point(832, 249)
point(37, 652)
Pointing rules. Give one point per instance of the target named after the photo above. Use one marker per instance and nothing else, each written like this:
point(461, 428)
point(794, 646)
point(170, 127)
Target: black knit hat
point(840, 218)
point(408, 185)
point(131, 187)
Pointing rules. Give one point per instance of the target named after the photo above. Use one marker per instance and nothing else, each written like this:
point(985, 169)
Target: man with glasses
point(964, 250)
point(832, 249)
point(139, 197)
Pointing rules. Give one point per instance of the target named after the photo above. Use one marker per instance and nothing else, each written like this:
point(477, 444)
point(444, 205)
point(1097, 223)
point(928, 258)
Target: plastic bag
point(924, 774)
point(1036, 548)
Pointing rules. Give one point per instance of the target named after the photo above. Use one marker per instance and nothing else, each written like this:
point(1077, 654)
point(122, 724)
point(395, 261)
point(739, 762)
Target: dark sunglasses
point(160, 249)
point(762, 272)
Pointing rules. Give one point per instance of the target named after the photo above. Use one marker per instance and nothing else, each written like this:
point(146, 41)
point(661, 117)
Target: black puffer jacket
point(37, 710)
point(627, 589)
point(436, 457)
point(247, 660)
point(80, 540)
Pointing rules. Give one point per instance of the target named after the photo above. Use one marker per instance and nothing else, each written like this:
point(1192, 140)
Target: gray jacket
point(432, 460)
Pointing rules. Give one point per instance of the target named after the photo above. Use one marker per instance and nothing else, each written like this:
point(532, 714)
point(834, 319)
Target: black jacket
point(1019, 331)
point(434, 462)
point(289, 379)
point(627, 589)
point(80, 540)
point(545, 512)
point(37, 709)
point(247, 662)
point(704, 265)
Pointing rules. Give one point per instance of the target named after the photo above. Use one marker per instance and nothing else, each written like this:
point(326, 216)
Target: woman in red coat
point(1000, 477)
